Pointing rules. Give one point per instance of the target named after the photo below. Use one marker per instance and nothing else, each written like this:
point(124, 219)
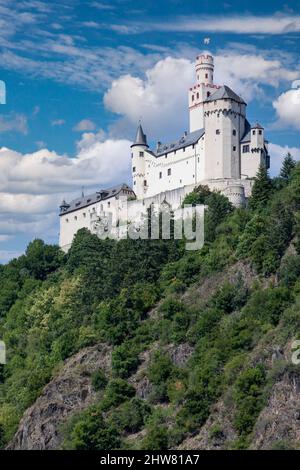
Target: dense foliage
point(129, 294)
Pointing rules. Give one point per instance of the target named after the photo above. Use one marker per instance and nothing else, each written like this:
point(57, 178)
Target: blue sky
point(80, 74)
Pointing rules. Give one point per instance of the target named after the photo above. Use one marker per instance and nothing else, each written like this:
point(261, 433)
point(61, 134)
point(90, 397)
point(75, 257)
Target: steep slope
point(69, 392)
point(141, 344)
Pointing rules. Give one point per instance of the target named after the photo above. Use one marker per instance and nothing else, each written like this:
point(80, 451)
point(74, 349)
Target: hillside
point(144, 345)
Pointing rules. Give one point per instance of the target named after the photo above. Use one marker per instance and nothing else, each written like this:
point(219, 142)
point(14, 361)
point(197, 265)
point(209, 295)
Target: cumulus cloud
point(84, 125)
point(32, 185)
point(277, 153)
point(287, 107)
point(160, 99)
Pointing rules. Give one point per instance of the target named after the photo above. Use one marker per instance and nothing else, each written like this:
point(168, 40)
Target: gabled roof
point(140, 138)
point(98, 196)
point(186, 140)
point(224, 92)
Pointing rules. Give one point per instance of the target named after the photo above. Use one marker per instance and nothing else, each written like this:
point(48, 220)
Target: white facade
point(222, 150)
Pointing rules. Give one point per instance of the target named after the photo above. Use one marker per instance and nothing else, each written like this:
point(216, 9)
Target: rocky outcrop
point(279, 422)
point(71, 391)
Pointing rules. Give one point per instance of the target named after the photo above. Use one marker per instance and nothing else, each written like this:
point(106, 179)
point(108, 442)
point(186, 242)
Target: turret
point(202, 90)
point(257, 138)
point(138, 149)
point(64, 206)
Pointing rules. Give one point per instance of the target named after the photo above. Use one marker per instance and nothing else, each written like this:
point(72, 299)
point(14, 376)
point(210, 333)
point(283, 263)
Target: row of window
point(218, 132)
point(197, 96)
point(91, 213)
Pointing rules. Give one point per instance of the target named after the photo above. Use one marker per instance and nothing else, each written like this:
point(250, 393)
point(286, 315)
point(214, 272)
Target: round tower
point(202, 90)
point(205, 69)
point(138, 149)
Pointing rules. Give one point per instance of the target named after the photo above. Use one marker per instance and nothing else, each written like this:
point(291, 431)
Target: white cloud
point(84, 125)
point(4, 238)
point(13, 122)
point(277, 153)
point(58, 122)
point(287, 108)
point(235, 24)
point(7, 255)
point(33, 185)
point(160, 99)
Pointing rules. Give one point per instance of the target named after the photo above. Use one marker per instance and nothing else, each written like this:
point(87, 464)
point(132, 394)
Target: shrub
point(99, 380)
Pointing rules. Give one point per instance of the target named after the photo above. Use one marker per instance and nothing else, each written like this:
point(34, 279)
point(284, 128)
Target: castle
point(221, 150)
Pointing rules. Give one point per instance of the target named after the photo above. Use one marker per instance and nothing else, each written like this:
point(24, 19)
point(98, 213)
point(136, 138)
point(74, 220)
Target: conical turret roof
point(140, 138)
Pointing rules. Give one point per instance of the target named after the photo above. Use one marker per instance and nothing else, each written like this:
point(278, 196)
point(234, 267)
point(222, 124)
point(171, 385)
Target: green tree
point(288, 166)
point(262, 189)
point(91, 432)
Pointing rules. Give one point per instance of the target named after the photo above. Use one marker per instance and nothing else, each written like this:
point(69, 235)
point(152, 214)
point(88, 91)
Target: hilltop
point(141, 344)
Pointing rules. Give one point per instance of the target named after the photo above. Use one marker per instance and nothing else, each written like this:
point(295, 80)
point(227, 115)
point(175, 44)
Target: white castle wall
point(186, 167)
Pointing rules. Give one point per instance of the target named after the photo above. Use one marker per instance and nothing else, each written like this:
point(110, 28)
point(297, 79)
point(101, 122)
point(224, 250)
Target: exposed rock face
point(215, 434)
point(69, 392)
point(279, 421)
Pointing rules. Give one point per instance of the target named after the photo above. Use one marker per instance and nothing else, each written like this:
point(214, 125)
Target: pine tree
point(261, 190)
point(287, 166)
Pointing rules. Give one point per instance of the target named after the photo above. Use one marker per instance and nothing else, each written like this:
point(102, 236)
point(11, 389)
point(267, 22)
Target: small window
point(160, 175)
point(193, 97)
point(75, 217)
point(108, 204)
point(246, 148)
point(206, 75)
point(260, 132)
point(145, 183)
point(197, 96)
point(208, 94)
point(234, 132)
point(67, 220)
point(133, 168)
point(141, 154)
point(183, 149)
point(218, 131)
point(169, 171)
point(234, 148)
point(131, 155)
point(84, 215)
point(134, 183)
point(253, 132)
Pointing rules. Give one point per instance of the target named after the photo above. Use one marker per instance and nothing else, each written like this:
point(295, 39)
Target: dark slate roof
point(257, 126)
point(225, 92)
point(247, 135)
point(186, 140)
point(248, 127)
point(140, 138)
point(101, 195)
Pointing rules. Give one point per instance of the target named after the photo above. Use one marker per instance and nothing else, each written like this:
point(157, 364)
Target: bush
point(117, 391)
point(99, 380)
point(92, 432)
